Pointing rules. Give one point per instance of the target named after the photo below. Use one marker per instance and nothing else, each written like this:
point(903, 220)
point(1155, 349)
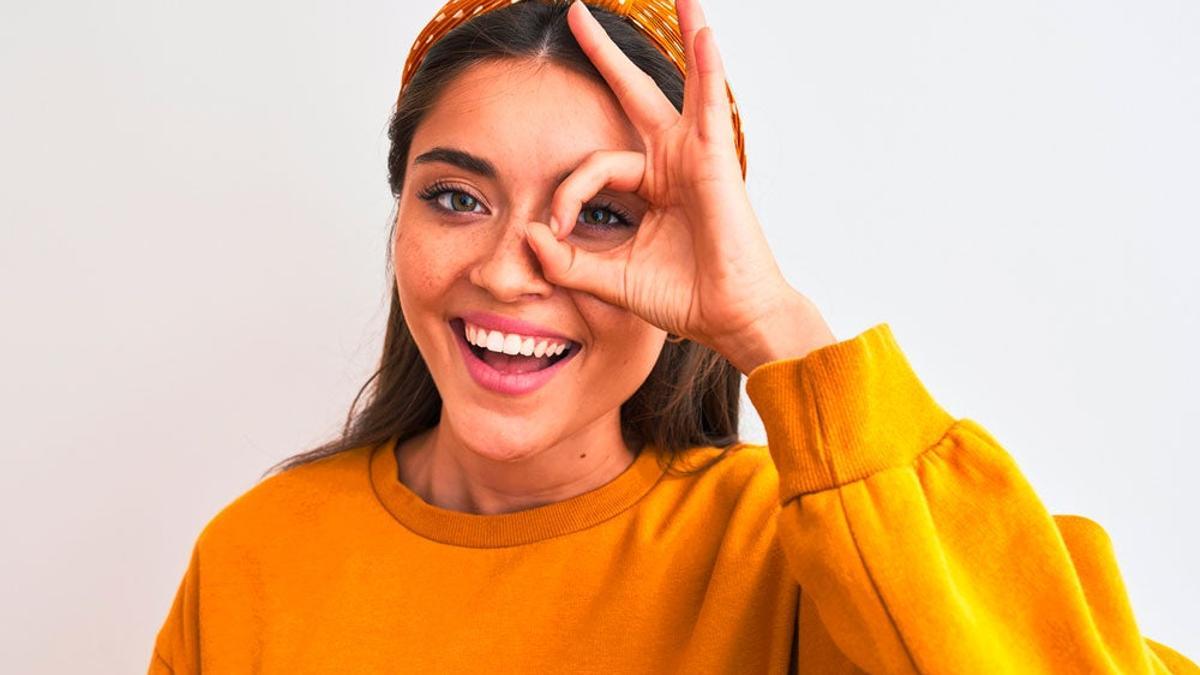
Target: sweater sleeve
point(176, 648)
point(921, 545)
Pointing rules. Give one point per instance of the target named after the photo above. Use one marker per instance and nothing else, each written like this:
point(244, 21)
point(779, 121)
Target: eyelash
point(432, 192)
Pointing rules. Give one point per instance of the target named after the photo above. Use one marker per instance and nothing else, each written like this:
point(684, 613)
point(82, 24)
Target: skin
point(696, 264)
point(492, 453)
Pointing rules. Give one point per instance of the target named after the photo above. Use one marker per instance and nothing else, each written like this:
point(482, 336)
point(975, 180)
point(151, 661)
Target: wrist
point(793, 329)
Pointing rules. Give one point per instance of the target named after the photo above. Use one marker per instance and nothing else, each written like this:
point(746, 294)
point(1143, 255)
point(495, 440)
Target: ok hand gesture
point(698, 265)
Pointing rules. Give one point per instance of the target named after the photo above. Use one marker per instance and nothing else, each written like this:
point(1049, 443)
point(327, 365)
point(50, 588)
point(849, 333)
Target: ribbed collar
point(509, 529)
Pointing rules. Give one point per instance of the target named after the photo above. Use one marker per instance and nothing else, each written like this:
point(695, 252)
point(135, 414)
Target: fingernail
point(554, 225)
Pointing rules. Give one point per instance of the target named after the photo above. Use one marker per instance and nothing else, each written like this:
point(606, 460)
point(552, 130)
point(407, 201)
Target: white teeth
point(511, 343)
point(495, 341)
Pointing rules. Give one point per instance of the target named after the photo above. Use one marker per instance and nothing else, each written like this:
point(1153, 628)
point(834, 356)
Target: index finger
point(647, 106)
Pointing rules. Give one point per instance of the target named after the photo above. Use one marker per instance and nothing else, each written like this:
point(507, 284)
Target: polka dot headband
point(656, 19)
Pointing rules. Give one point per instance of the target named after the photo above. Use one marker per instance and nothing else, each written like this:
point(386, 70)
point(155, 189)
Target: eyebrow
point(468, 162)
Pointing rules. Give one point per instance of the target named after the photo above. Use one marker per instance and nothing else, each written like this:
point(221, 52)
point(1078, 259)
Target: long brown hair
point(692, 394)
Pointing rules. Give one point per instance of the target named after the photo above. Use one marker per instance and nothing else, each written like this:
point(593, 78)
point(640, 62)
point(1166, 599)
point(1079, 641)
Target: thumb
point(565, 264)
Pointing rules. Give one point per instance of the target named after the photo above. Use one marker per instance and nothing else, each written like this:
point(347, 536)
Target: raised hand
point(698, 265)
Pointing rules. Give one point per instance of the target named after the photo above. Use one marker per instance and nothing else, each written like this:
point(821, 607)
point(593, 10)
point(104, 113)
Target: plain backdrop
point(195, 210)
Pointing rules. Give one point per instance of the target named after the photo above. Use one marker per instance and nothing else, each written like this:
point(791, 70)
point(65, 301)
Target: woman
point(547, 476)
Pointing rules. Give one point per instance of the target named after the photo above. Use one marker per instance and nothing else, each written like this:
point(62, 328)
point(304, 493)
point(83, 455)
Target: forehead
point(531, 119)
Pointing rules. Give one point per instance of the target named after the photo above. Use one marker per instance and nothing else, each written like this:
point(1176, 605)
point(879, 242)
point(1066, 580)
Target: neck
point(444, 471)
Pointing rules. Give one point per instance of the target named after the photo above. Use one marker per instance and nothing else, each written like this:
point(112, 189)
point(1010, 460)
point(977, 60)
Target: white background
point(192, 286)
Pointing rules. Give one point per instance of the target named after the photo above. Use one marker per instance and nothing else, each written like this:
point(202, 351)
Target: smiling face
point(485, 161)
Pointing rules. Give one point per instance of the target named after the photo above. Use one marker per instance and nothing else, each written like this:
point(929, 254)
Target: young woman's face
point(485, 161)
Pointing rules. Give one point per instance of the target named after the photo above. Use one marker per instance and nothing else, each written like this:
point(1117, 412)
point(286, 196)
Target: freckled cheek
point(427, 262)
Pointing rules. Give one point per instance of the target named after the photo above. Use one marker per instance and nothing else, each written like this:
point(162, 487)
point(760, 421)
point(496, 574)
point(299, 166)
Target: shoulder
point(292, 501)
point(740, 462)
point(741, 477)
point(731, 506)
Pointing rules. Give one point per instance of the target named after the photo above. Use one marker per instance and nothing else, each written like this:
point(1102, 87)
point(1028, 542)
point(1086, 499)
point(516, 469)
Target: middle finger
point(647, 106)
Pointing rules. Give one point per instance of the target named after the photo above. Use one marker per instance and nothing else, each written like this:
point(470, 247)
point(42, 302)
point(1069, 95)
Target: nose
point(509, 269)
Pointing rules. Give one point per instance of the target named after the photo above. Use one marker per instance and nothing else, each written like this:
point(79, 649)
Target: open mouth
point(511, 363)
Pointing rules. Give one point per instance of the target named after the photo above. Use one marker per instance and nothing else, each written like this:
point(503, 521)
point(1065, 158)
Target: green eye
point(605, 216)
point(451, 199)
point(463, 200)
point(596, 216)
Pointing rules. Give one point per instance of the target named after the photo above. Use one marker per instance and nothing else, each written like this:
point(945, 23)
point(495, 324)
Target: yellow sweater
point(874, 533)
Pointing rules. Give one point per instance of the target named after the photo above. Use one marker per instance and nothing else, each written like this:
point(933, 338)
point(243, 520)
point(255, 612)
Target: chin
point(499, 452)
point(504, 442)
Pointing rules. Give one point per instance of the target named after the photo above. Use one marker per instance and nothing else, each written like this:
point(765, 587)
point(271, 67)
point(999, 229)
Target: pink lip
point(507, 325)
point(505, 383)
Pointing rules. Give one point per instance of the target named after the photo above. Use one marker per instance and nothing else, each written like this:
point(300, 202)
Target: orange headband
point(656, 19)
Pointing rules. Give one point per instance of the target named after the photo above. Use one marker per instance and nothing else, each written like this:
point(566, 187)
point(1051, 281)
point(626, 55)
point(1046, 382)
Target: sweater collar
point(459, 528)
